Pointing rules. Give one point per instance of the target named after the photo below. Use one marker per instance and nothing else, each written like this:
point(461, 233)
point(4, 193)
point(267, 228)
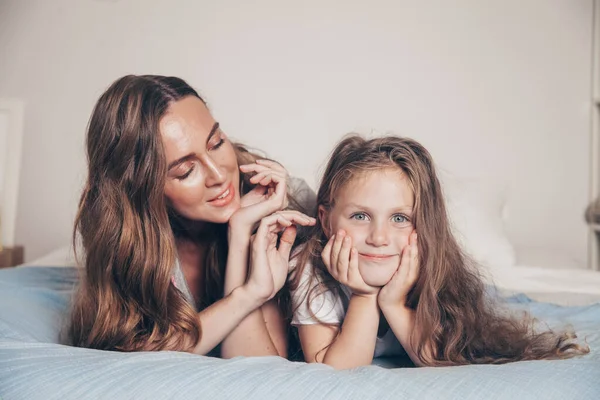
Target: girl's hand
point(268, 260)
point(341, 260)
point(395, 291)
point(269, 196)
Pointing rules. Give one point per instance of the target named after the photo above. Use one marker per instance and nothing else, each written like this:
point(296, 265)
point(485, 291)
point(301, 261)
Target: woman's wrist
point(247, 298)
point(237, 260)
point(238, 235)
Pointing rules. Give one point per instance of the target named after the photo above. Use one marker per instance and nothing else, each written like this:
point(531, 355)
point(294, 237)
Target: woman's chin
point(216, 215)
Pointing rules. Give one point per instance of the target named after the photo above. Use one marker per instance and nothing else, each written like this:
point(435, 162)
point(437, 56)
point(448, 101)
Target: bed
point(34, 299)
point(33, 365)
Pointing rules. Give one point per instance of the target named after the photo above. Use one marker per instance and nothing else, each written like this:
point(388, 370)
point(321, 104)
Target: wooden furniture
point(11, 256)
point(11, 143)
point(594, 235)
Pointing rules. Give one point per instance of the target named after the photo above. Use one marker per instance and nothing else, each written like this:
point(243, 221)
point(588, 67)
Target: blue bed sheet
point(33, 303)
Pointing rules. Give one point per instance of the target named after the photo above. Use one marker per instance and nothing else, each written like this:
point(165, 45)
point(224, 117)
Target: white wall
point(497, 87)
point(3, 149)
point(3, 153)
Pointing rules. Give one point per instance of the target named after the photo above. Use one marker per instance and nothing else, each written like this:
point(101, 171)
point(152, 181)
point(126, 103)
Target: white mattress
point(564, 286)
point(61, 257)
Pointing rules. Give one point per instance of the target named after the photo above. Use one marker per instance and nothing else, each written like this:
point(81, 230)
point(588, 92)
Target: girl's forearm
point(402, 322)
point(355, 344)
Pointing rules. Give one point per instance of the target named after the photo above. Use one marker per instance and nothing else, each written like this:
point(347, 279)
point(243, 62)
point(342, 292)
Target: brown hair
point(126, 300)
point(454, 316)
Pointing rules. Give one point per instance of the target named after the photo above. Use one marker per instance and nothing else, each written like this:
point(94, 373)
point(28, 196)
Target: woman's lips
point(224, 198)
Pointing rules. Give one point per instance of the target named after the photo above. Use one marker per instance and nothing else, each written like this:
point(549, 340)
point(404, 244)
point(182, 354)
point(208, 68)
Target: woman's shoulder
point(178, 280)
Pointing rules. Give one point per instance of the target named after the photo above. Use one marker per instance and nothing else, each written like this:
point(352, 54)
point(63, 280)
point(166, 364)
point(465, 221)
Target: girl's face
point(203, 177)
point(375, 210)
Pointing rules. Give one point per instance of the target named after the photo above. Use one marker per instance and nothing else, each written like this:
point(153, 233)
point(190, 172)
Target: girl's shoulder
point(296, 255)
point(309, 277)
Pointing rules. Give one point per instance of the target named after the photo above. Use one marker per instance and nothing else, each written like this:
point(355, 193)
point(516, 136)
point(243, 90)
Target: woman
point(165, 221)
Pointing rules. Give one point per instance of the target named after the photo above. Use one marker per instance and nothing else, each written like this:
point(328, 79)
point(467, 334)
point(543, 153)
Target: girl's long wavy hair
point(456, 322)
point(126, 300)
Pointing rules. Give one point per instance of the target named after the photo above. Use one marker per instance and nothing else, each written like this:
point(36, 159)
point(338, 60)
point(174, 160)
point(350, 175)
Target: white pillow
point(303, 193)
point(61, 257)
point(538, 256)
point(476, 209)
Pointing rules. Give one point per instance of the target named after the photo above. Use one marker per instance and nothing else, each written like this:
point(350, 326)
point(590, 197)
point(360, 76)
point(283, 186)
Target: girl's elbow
point(282, 353)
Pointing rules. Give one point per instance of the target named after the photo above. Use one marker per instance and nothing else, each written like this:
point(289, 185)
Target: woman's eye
point(186, 174)
point(217, 142)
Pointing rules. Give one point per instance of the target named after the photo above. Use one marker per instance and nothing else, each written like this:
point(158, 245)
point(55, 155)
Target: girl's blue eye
point(359, 216)
point(399, 219)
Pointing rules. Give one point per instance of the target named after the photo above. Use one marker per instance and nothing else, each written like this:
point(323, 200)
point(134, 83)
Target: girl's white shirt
point(328, 307)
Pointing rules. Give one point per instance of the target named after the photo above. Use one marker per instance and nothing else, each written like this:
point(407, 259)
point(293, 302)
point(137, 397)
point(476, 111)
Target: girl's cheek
point(336, 225)
point(403, 240)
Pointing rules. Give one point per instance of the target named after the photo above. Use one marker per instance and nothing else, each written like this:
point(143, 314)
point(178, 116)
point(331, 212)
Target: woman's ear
point(324, 220)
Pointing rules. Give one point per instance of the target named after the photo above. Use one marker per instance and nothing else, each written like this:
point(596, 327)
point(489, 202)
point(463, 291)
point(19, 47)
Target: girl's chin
point(377, 276)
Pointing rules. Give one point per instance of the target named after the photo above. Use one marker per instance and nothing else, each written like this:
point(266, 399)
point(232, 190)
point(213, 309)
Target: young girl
point(382, 273)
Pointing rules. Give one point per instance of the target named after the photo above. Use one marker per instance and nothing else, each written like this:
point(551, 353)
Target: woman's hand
point(268, 176)
point(394, 293)
point(269, 259)
point(341, 260)
point(269, 196)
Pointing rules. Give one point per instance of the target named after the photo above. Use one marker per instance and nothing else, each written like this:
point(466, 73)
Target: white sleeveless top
point(180, 283)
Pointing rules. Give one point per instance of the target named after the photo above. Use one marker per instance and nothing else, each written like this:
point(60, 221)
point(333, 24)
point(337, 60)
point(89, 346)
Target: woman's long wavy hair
point(126, 300)
point(456, 322)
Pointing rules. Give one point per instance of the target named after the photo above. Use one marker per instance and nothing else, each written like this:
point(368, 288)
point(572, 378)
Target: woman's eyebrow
point(191, 155)
point(212, 131)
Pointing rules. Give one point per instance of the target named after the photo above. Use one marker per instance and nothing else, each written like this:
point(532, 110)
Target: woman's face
point(202, 170)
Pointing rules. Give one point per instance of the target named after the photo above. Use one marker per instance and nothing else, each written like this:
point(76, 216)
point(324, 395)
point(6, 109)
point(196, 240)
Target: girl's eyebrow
point(402, 208)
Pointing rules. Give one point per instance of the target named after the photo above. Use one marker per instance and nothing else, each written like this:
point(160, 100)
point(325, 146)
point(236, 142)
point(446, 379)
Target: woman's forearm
point(223, 317)
point(250, 337)
point(237, 261)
